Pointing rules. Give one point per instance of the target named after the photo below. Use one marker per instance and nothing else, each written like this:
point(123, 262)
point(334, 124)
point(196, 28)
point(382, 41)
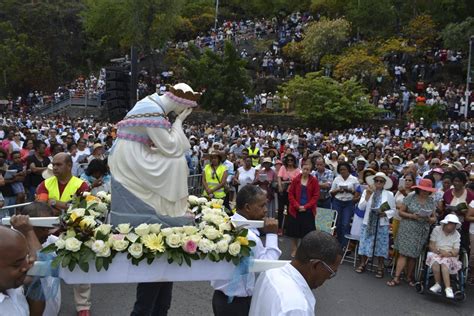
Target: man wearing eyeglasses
point(287, 290)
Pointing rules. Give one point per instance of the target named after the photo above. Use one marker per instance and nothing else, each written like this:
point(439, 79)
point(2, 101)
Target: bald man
point(14, 263)
point(59, 189)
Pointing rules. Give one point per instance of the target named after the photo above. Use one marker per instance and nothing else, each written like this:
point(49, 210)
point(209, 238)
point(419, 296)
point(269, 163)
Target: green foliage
point(356, 62)
point(394, 45)
point(148, 24)
point(430, 114)
point(456, 35)
point(293, 50)
point(326, 102)
point(372, 17)
point(421, 30)
point(324, 37)
point(223, 78)
point(332, 8)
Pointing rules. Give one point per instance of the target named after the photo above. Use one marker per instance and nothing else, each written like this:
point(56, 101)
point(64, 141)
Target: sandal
point(411, 283)
point(393, 283)
point(379, 274)
point(361, 268)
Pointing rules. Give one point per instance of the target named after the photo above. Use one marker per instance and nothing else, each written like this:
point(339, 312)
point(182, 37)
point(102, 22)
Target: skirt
point(301, 225)
point(453, 263)
point(366, 243)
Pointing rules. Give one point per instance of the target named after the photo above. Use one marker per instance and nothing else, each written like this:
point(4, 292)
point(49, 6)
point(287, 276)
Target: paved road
point(347, 294)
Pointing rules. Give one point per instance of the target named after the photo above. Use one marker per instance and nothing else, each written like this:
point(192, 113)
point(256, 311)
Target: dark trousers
point(153, 299)
point(282, 202)
point(240, 306)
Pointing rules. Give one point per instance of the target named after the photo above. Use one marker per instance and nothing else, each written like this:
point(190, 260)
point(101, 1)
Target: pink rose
point(118, 236)
point(190, 247)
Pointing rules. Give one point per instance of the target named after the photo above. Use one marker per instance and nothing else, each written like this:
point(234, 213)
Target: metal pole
point(215, 21)
point(468, 77)
point(133, 77)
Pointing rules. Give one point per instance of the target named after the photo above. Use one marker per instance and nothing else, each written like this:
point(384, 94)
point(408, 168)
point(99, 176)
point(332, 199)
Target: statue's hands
point(183, 115)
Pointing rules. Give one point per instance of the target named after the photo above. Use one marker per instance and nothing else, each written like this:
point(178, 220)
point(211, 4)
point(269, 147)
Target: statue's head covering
point(182, 95)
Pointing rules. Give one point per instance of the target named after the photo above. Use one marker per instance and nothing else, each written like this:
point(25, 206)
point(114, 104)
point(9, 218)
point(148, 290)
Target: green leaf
point(107, 262)
point(245, 251)
point(65, 261)
point(187, 260)
point(84, 266)
point(252, 243)
point(72, 265)
point(49, 248)
point(149, 260)
point(99, 263)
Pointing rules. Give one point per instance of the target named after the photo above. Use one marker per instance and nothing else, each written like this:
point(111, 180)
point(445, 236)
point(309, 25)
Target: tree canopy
point(322, 100)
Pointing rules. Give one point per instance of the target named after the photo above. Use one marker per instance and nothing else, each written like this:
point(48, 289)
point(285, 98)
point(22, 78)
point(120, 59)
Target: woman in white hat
point(379, 205)
point(417, 212)
point(443, 253)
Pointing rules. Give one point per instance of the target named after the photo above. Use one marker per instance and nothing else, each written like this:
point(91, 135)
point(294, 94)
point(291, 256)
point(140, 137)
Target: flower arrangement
point(86, 238)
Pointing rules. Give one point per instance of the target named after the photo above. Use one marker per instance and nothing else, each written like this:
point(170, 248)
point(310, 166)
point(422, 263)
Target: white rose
point(60, 243)
point(227, 238)
point(78, 212)
point(101, 207)
point(195, 238)
point(190, 230)
point(89, 243)
point(217, 219)
point(132, 237)
point(201, 200)
point(88, 221)
point(222, 246)
point(211, 233)
point(178, 230)
point(155, 228)
point(98, 246)
point(124, 228)
point(174, 240)
point(108, 198)
point(106, 252)
point(234, 248)
point(101, 194)
point(217, 201)
point(70, 233)
point(120, 245)
point(104, 228)
point(225, 227)
point(206, 245)
point(136, 250)
point(207, 217)
point(73, 244)
point(85, 194)
point(193, 200)
point(142, 229)
point(166, 231)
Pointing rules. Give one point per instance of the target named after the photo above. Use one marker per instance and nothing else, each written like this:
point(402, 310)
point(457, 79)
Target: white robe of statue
point(158, 174)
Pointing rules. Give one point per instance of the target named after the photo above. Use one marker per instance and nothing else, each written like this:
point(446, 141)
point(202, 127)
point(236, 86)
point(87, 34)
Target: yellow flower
point(243, 241)
point(216, 205)
point(154, 242)
point(91, 198)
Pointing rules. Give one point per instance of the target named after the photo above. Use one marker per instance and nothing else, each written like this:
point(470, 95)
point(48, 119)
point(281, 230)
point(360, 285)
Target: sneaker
point(435, 288)
point(449, 292)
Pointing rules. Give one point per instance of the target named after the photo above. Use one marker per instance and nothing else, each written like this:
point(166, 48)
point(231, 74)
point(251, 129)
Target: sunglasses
point(332, 273)
point(379, 181)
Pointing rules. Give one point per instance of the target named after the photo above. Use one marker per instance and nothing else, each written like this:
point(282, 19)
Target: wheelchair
point(424, 277)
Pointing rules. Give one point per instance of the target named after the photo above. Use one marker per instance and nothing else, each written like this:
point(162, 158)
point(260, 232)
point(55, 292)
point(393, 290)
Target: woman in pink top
point(287, 172)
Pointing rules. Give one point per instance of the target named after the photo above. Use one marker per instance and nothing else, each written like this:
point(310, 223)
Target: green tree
point(421, 30)
point(372, 17)
point(222, 77)
point(147, 24)
point(331, 8)
point(324, 37)
point(393, 45)
point(456, 35)
point(326, 102)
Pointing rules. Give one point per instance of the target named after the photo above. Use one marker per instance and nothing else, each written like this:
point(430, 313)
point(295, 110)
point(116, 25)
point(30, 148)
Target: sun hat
point(458, 165)
point(451, 218)
point(97, 145)
point(388, 182)
point(267, 160)
point(425, 185)
point(48, 173)
point(396, 157)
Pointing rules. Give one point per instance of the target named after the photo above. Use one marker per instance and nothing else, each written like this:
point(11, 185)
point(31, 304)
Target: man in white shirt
point(14, 263)
point(251, 205)
point(287, 290)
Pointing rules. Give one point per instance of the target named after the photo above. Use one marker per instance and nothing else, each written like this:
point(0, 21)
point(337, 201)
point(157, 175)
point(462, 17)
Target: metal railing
point(78, 101)
point(195, 186)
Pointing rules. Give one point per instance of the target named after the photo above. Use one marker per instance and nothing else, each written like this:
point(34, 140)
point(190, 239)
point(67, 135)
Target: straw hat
point(425, 185)
point(48, 173)
point(396, 157)
point(388, 182)
point(267, 160)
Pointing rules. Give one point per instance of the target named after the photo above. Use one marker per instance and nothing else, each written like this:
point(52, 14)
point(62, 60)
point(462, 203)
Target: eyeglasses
point(379, 181)
point(332, 273)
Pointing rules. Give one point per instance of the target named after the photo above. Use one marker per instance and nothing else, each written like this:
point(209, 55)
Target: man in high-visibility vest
point(61, 186)
point(215, 176)
point(57, 190)
point(254, 153)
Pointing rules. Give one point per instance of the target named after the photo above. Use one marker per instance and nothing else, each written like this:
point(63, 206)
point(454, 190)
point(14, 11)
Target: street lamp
point(215, 21)
point(468, 76)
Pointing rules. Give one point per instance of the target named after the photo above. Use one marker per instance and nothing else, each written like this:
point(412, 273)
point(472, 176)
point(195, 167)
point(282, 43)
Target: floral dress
point(413, 234)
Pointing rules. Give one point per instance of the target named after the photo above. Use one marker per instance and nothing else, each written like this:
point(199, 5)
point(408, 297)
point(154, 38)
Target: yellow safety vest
point(70, 190)
point(213, 180)
point(254, 152)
